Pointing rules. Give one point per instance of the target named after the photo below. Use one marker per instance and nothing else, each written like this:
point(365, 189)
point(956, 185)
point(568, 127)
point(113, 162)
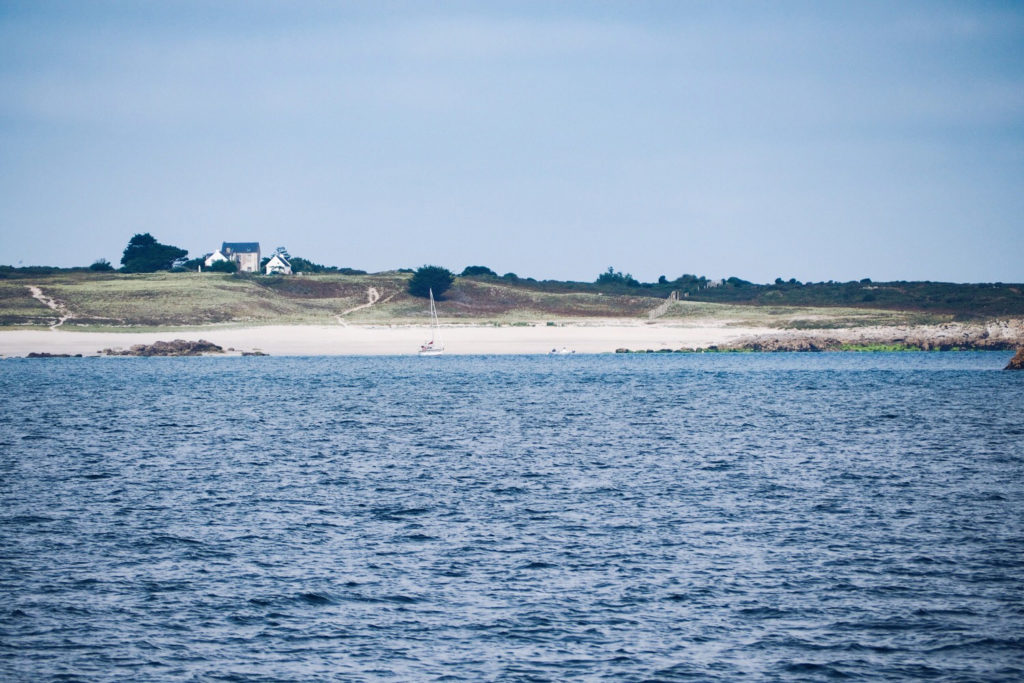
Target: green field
point(115, 300)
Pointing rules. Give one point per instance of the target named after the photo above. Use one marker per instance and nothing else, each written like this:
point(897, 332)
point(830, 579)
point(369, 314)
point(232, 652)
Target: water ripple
point(769, 517)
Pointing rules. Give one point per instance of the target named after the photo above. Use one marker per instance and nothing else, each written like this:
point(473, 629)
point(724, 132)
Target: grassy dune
point(114, 300)
point(796, 317)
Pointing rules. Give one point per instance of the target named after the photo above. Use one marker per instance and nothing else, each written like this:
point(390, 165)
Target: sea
point(642, 517)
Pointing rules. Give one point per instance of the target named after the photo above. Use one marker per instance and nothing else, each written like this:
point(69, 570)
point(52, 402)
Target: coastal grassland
point(167, 300)
point(19, 308)
point(496, 302)
point(796, 317)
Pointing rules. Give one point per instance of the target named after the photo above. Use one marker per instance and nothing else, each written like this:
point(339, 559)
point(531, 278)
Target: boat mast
point(435, 331)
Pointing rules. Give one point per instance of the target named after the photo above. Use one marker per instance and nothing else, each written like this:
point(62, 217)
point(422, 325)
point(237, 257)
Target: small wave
point(1000, 644)
point(172, 539)
point(397, 514)
point(508, 490)
point(813, 668)
point(246, 619)
point(26, 519)
point(830, 507)
point(892, 624)
point(316, 598)
point(682, 672)
point(764, 612)
point(537, 564)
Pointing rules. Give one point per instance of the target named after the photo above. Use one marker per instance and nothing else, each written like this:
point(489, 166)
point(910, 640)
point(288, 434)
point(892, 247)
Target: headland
point(337, 314)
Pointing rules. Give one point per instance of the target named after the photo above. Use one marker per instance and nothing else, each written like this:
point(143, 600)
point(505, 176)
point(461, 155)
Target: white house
point(214, 257)
point(278, 265)
point(246, 256)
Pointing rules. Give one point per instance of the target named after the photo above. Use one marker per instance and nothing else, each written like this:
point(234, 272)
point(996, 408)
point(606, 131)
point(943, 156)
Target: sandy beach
point(387, 340)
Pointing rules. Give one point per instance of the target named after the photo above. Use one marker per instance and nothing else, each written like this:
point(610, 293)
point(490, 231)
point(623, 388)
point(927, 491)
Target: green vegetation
point(302, 265)
point(613, 278)
point(223, 267)
point(112, 299)
point(877, 347)
point(965, 301)
point(478, 271)
point(431, 278)
point(98, 296)
point(145, 255)
point(932, 301)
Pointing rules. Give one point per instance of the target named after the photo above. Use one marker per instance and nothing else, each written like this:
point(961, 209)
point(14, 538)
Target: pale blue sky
point(815, 140)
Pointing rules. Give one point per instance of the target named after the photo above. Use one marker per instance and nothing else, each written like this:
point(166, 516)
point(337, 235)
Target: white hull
point(431, 352)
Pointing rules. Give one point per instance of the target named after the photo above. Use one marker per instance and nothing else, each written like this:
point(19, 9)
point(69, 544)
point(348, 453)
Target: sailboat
point(433, 347)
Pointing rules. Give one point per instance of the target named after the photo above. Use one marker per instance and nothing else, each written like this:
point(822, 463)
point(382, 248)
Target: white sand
point(592, 337)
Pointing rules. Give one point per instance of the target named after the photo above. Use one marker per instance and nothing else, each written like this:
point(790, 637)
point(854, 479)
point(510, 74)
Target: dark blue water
point(773, 517)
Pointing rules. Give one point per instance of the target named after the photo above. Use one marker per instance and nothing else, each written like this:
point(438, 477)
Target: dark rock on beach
point(178, 347)
point(1017, 362)
point(43, 354)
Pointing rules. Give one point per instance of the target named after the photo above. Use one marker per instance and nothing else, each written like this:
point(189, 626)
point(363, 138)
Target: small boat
point(434, 346)
point(563, 352)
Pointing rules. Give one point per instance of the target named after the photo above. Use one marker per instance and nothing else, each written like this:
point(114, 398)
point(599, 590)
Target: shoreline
point(585, 337)
point(373, 340)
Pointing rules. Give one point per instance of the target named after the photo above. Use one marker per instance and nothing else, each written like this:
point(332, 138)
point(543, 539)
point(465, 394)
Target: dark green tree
point(223, 267)
point(613, 277)
point(477, 271)
point(145, 255)
point(101, 265)
point(430, 278)
point(301, 265)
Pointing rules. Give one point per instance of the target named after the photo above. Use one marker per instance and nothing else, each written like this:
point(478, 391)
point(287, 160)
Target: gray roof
point(240, 247)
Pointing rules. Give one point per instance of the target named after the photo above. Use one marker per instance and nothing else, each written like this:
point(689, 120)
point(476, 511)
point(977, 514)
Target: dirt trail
point(54, 305)
point(372, 297)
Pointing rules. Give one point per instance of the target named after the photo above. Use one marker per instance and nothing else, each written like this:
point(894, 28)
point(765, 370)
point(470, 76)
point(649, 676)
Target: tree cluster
point(613, 277)
point(430, 278)
point(145, 255)
point(478, 271)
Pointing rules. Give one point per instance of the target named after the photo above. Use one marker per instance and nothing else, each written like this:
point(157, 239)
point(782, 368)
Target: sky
point(808, 140)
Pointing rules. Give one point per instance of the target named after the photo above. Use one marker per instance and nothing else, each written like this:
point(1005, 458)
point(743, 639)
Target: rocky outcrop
point(44, 354)
point(178, 347)
point(1017, 362)
point(998, 336)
